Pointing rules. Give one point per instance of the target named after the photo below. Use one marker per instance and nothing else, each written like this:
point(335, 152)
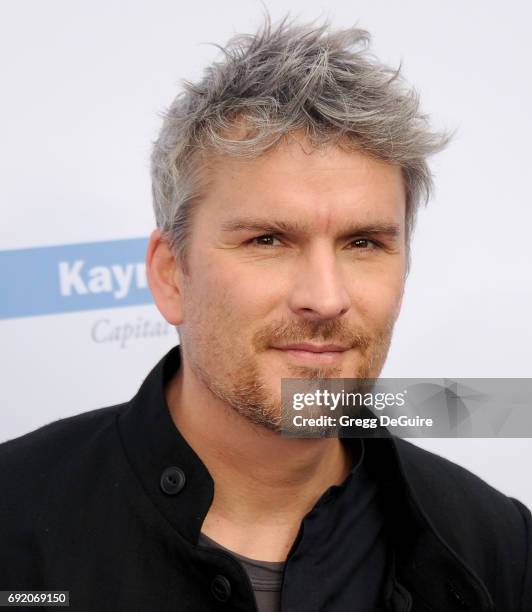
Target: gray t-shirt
point(265, 576)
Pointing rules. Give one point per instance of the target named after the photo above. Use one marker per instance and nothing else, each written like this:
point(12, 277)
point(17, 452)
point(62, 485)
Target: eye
point(267, 237)
point(365, 244)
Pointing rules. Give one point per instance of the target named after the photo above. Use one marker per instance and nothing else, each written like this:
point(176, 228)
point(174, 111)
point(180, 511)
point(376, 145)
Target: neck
point(263, 481)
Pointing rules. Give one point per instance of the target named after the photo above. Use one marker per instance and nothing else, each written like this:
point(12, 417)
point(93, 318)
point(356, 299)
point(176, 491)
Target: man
point(286, 184)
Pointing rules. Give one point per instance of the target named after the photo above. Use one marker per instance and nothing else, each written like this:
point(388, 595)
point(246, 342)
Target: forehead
point(323, 185)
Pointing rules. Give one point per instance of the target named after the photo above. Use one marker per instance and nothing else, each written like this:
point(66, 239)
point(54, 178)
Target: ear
point(164, 277)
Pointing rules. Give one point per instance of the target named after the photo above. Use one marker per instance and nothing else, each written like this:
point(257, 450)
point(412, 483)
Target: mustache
point(320, 332)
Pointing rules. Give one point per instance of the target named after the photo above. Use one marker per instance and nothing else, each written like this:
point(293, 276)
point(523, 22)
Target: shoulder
point(30, 461)
point(52, 479)
point(444, 486)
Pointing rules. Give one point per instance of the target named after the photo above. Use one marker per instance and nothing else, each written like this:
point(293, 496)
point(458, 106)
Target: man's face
point(296, 246)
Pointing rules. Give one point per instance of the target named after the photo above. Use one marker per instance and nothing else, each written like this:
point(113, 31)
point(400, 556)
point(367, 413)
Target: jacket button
point(172, 480)
point(221, 588)
point(457, 595)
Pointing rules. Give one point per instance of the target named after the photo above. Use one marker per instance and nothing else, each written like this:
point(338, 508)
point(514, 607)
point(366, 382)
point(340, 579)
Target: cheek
point(378, 299)
point(226, 299)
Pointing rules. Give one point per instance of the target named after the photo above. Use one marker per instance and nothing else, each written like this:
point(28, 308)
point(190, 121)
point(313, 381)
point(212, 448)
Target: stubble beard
point(246, 392)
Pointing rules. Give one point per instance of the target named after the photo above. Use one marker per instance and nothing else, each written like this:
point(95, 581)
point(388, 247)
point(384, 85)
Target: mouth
point(312, 356)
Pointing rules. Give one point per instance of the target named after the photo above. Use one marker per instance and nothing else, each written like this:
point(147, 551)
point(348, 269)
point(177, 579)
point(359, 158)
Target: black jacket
point(87, 504)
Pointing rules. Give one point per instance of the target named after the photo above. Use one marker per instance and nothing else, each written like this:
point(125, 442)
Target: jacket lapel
point(426, 575)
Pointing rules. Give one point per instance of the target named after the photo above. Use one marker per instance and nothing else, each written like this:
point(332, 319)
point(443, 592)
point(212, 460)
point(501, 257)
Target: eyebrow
point(293, 228)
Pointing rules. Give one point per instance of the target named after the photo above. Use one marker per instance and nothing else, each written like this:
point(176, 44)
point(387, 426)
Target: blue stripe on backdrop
point(72, 277)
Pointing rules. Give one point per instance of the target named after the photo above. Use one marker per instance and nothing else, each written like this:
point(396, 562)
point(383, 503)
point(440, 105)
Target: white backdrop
point(82, 86)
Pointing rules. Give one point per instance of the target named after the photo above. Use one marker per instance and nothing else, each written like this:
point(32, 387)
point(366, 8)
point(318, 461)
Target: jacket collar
point(423, 560)
point(424, 565)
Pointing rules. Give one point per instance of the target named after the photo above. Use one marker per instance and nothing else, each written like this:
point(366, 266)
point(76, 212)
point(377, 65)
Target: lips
point(313, 348)
point(312, 354)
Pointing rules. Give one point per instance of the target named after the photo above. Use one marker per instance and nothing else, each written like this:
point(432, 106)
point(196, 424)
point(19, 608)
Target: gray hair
point(285, 78)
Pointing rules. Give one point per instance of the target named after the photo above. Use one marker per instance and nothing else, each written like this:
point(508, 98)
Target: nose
point(319, 291)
